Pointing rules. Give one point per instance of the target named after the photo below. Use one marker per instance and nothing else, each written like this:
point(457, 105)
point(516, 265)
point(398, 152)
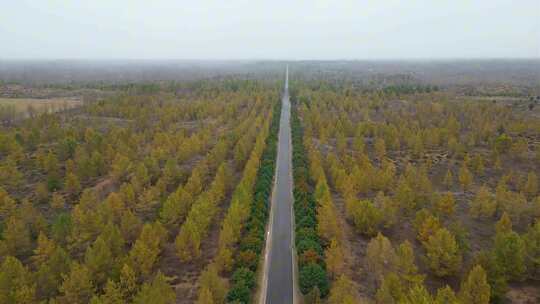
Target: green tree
point(509, 250)
point(366, 217)
point(311, 276)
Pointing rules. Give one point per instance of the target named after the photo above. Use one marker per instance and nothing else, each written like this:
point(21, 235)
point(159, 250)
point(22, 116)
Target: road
point(278, 282)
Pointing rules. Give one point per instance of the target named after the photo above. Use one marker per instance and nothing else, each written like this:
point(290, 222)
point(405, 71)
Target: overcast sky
point(277, 29)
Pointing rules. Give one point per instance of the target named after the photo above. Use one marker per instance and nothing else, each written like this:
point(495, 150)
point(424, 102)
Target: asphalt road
point(280, 286)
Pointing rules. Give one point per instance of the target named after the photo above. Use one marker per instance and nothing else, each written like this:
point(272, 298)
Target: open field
point(49, 105)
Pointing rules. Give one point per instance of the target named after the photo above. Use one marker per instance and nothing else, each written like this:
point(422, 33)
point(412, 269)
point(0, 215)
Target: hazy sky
point(278, 29)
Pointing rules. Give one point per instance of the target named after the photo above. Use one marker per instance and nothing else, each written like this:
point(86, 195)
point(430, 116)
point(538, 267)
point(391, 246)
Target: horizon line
point(272, 59)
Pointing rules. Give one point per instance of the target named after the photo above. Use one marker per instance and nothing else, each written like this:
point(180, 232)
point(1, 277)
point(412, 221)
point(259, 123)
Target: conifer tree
point(443, 254)
point(475, 288)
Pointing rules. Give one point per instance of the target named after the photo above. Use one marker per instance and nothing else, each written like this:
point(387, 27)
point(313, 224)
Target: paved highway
point(278, 285)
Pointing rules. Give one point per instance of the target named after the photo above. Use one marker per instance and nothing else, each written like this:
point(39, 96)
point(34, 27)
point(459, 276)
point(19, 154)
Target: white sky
point(278, 29)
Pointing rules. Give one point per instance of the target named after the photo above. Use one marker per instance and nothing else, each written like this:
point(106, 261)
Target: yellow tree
point(343, 291)
point(475, 289)
point(57, 201)
point(77, 287)
point(442, 251)
point(531, 185)
point(335, 260)
point(448, 179)
point(483, 204)
point(465, 177)
point(446, 204)
point(380, 148)
point(16, 284)
point(380, 256)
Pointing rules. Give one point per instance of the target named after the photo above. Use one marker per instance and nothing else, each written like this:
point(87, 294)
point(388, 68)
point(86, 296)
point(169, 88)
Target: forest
point(415, 194)
point(152, 194)
point(406, 190)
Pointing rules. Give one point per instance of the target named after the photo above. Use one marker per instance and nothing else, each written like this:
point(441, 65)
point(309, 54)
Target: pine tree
point(334, 258)
point(343, 291)
point(483, 204)
point(417, 295)
point(112, 294)
point(532, 249)
point(120, 167)
point(504, 224)
point(446, 204)
point(158, 292)
point(391, 290)
point(99, 261)
point(72, 184)
point(16, 284)
point(465, 177)
point(45, 249)
point(446, 295)
point(509, 250)
point(128, 283)
point(42, 192)
point(443, 254)
point(405, 265)
point(405, 196)
point(57, 201)
point(77, 287)
point(16, 236)
point(475, 289)
point(448, 179)
point(211, 281)
point(7, 204)
point(380, 256)
point(366, 217)
point(380, 148)
point(531, 185)
point(188, 242)
point(205, 296)
point(426, 225)
point(130, 226)
point(389, 209)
